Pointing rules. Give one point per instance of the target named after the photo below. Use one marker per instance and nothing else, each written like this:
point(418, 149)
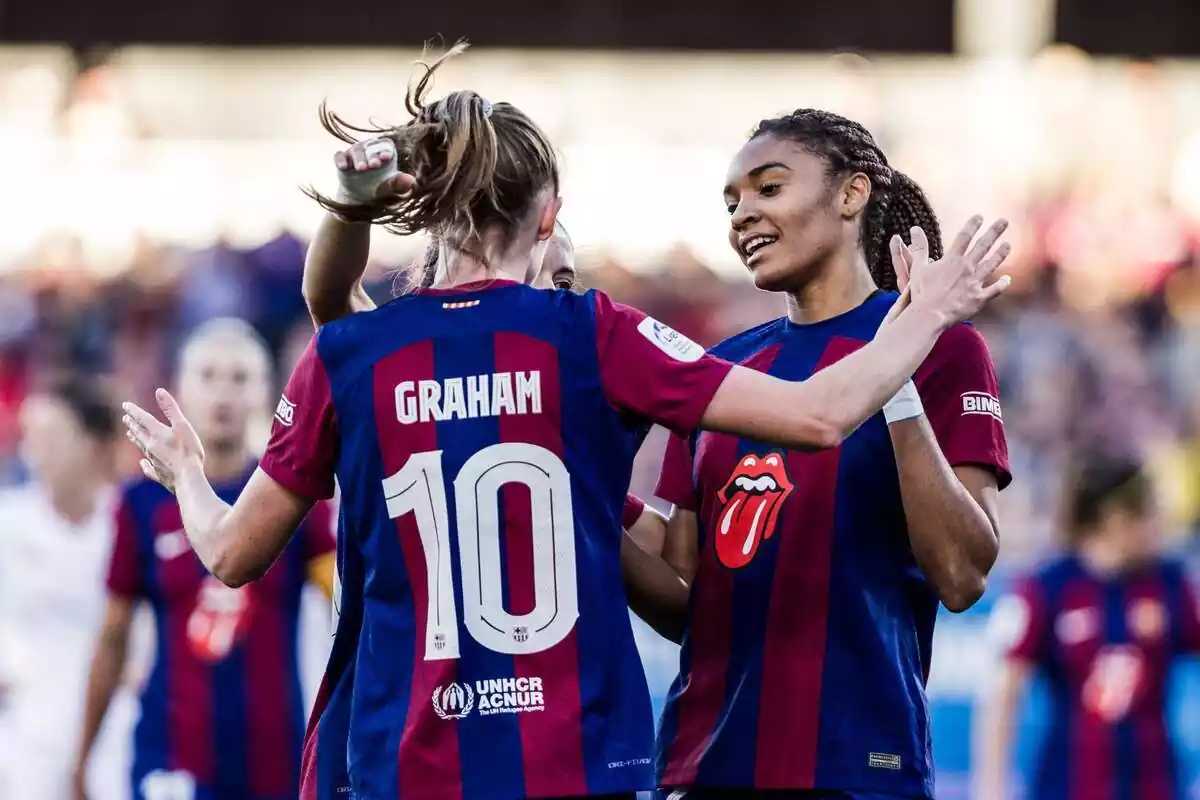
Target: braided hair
point(896, 204)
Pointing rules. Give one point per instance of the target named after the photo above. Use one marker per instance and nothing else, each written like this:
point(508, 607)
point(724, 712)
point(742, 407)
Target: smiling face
point(788, 216)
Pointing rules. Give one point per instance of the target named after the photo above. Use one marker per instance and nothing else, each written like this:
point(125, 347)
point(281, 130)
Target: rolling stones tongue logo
point(752, 499)
point(219, 620)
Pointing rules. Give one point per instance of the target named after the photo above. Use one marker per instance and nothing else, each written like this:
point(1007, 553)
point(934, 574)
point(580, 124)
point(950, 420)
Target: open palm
point(166, 449)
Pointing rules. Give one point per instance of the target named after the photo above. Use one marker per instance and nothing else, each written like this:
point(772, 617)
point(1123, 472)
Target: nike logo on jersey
point(501, 393)
point(752, 496)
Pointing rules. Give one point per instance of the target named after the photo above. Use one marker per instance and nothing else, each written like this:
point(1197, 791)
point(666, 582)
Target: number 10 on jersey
point(418, 488)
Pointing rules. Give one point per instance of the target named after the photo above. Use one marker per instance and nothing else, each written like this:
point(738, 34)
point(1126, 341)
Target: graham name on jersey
point(469, 397)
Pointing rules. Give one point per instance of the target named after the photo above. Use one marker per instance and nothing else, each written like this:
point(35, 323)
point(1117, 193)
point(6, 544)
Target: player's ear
point(548, 218)
point(854, 194)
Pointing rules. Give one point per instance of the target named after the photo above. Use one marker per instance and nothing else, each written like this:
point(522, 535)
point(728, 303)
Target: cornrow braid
point(897, 203)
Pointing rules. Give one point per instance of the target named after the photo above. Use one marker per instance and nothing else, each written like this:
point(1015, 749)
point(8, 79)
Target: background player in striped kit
point(816, 577)
point(1103, 625)
point(222, 715)
point(536, 401)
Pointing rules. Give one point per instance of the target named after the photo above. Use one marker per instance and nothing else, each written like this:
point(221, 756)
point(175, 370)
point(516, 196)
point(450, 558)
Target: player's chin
point(769, 275)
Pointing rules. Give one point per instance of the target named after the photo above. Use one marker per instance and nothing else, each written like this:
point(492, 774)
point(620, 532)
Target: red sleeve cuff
point(632, 511)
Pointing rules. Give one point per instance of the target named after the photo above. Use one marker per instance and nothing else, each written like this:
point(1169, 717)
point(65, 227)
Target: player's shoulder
point(960, 345)
point(1055, 572)
point(741, 346)
point(19, 503)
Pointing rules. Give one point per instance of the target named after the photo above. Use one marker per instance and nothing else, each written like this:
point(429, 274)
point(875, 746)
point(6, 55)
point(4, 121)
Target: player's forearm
point(205, 520)
point(334, 268)
point(108, 664)
point(854, 389)
point(655, 591)
point(952, 538)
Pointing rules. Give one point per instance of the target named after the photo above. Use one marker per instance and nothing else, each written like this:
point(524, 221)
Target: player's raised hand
point(959, 284)
point(166, 449)
point(367, 171)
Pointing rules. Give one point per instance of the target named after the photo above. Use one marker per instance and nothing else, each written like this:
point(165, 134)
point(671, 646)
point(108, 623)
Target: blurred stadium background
point(151, 154)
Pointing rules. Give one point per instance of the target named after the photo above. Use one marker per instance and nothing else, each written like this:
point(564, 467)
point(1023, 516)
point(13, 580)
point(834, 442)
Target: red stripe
point(551, 740)
point(700, 703)
point(428, 759)
point(269, 712)
point(309, 776)
point(789, 715)
point(1092, 754)
point(189, 683)
point(1153, 779)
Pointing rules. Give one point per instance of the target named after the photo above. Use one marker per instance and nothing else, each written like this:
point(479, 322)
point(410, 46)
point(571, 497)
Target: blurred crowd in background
point(1097, 345)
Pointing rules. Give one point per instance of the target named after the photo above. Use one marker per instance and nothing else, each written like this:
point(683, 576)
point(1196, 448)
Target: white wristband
point(906, 404)
point(362, 187)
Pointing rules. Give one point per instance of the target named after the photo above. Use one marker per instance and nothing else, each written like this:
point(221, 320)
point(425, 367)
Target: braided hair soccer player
point(815, 577)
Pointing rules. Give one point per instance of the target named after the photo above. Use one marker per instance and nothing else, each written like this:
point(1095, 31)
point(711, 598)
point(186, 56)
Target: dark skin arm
point(656, 593)
point(951, 512)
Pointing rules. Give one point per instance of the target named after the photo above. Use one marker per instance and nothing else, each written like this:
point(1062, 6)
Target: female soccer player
point(333, 289)
point(815, 577)
point(55, 539)
point(222, 714)
point(482, 433)
point(1103, 624)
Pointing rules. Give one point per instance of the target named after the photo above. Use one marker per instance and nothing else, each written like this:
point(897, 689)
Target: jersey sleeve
point(675, 483)
point(632, 512)
point(649, 370)
point(124, 567)
point(319, 534)
point(1019, 624)
point(961, 395)
point(303, 447)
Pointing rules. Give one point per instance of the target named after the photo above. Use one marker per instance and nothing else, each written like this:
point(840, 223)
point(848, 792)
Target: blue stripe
point(1124, 756)
point(489, 747)
point(334, 726)
point(229, 743)
point(379, 700)
point(152, 735)
point(291, 656)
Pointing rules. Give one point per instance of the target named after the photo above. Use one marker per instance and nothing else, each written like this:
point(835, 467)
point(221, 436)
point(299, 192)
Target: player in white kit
point(56, 534)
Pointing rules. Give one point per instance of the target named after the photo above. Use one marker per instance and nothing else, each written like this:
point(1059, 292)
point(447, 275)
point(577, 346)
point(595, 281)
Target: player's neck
point(839, 285)
point(77, 502)
point(225, 461)
point(463, 268)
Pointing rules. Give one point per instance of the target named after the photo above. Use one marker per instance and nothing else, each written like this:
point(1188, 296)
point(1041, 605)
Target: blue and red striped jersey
point(222, 707)
point(324, 763)
point(810, 625)
point(1105, 644)
point(483, 440)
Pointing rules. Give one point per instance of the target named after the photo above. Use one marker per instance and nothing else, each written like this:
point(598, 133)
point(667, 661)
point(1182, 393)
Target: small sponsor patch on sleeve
point(285, 412)
point(670, 341)
point(883, 761)
point(981, 404)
